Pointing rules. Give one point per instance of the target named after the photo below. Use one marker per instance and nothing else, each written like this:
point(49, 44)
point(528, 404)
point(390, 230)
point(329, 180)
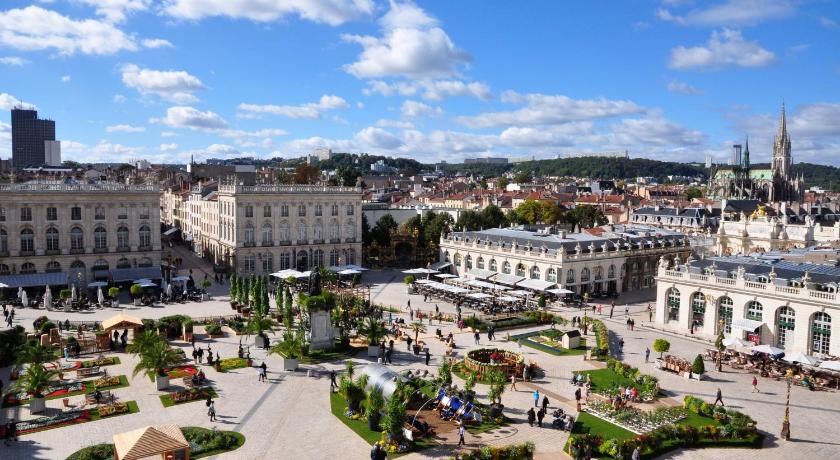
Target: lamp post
point(720, 346)
point(786, 422)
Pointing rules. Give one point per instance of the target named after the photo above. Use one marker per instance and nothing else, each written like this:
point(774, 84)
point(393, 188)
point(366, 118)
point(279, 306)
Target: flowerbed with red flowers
point(53, 421)
point(56, 390)
point(181, 371)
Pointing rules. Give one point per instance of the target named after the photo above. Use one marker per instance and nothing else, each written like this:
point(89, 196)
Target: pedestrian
point(540, 416)
point(437, 310)
point(388, 354)
point(261, 373)
point(408, 343)
point(428, 356)
point(577, 398)
point(545, 403)
point(264, 369)
point(477, 337)
point(410, 314)
point(620, 344)
point(755, 385)
point(627, 324)
point(211, 411)
point(626, 310)
point(333, 383)
point(636, 453)
point(11, 432)
point(409, 304)
point(195, 355)
point(200, 355)
point(586, 392)
point(66, 353)
point(531, 416)
point(536, 398)
point(632, 325)
point(647, 354)
point(719, 398)
point(461, 432)
point(612, 307)
point(513, 382)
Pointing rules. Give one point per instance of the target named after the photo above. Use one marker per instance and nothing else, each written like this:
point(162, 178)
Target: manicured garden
point(203, 443)
point(76, 417)
point(608, 381)
point(186, 396)
point(230, 364)
point(548, 340)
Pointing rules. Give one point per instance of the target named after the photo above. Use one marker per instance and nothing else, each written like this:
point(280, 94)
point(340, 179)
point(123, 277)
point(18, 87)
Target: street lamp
point(786, 421)
point(719, 345)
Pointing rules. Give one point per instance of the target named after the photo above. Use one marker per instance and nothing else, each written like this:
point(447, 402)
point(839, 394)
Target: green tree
point(585, 216)
point(394, 418)
point(522, 177)
point(348, 175)
point(367, 238)
point(492, 217)
point(381, 232)
point(661, 346)
point(469, 221)
point(697, 367)
point(693, 192)
point(503, 183)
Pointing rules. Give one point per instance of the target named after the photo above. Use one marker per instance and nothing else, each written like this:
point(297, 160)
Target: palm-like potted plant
point(156, 358)
point(34, 382)
point(205, 284)
point(373, 408)
point(257, 324)
point(374, 331)
point(136, 292)
point(417, 327)
point(290, 348)
point(233, 291)
point(498, 382)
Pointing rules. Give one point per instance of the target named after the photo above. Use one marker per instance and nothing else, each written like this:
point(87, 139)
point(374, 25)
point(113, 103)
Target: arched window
point(122, 237)
point(494, 267)
point(145, 262)
point(520, 270)
point(479, 263)
point(611, 272)
point(535, 272)
point(584, 275)
point(786, 323)
point(123, 263)
point(570, 276)
point(446, 257)
point(725, 307)
point(551, 275)
point(599, 273)
point(52, 239)
point(4, 241)
point(698, 308)
point(53, 267)
point(27, 240)
point(673, 302)
point(249, 234)
point(27, 268)
point(468, 264)
point(457, 259)
point(145, 236)
point(821, 333)
point(755, 311)
point(100, 238)
point(506, 267)
point(267, 234)
point(5, 270)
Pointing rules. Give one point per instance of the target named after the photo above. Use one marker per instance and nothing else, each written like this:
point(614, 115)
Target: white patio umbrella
point(169, 290)
point(801, 358)
point(734, 342)
point(73, 292)
point(100, 297)
point(24, 298)
point(20, 292)
point(830, 365)
point(47, 298)
point(767, 349)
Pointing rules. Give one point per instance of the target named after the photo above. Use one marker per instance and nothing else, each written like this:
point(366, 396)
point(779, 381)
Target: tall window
point(318, 231)
point(267, 263)
point(52, 239)
point(76, 213)
point(457, 260)
point(551, 275)
point(468, 264)
point(535, 272)
point(144, 212)
point(249, 212)
point(520, 270)
point(570, 276)
point(698, 308)
point(267, 234)
point(673, 303)
point(786, 324)
point(122, 237)
point(821, 333)
point(755, 311)
point(319, 210)
point(52, 213)
point(2, 214)
point(285, 261)
point(611, 272)
point(27, 240)
point(334, 230)
point(4, 241)
point(267, 211)
point(99, 213)
point(5, 270)
point(506, 267)
point(350, 209)
point(479, 263)
point(122, 214)
point(123, 263)
point(599, 273)
point(334, 210)
point(301, 210)
point(351, 256)
point(493, 265)
point(350, 229)
point(319, 258)
point(334, 257)
point(584, 275)
point(250, 263)
point(145, 236)
point(100, 238)
point(283, 231)
point(77, 239)
point(26, 214)
point(725, 313)
point(249, 234)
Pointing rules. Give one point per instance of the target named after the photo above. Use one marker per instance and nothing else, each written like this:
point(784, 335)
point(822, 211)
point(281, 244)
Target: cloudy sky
point(437, 80)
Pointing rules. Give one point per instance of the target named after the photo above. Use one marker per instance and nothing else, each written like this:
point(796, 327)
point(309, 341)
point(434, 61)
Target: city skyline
point(671, 80)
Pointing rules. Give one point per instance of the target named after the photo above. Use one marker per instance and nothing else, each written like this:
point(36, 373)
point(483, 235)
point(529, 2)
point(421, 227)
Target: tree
point(292, 346)
point(503, 183)
point(417, 327)
point(156, 358)
point(522, 177)
point(492, 217)
point(469, 221)
point(373, 330)
point(306, 174)
point(367, 238)
point(697, 367)
point(445, 373)
point(381, 232)
point(394, 417)
point(375, 403)
point(662, 346)
point(33, 354)
point(534, 212)
point(693, 192)
point(347, 175)
point(35, 380)
point(258, 323)
point(498, 382)
point(585, 216)
point(136, 290)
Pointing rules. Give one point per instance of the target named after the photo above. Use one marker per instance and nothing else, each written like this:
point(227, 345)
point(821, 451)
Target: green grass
point(132, 409)
point(89, 362)
point(233, 363)
point(588, 423)
point(338, 353)
point(167, 401)
point(89, 388)
point(556, 351)
point(240, 440)
point(360, 427)
point(608, 378)
point(87, 451)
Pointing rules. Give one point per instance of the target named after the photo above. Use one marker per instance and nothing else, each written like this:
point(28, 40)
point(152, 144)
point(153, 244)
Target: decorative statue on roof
point(664, 263)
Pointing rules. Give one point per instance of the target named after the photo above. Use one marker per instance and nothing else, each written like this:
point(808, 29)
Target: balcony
point(27, 253)
point(249, 244)
point(144, 248)
point(335, 240)
point(52, 252)
point(318, 241)
point(77, 250)
point(100, 250)
point(350, 240)
point(267, 243)
point(285, 243)
point(123, 248)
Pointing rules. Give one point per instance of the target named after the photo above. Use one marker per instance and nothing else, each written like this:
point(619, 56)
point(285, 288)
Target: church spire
point(782, 123)
point(781, 148)
point(745, 158)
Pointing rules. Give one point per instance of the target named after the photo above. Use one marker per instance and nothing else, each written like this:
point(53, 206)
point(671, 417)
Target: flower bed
point(52, 421)
point(608, 382)
point(56, 390)
point(513, 452)
point(108, 410)
point(105, 382)
point(185, 396)
point(602, 338)
point(110, 361)
point(233, 363)
point(484, 360)
point(204, 442)
point(636, 420)
point(181, 371)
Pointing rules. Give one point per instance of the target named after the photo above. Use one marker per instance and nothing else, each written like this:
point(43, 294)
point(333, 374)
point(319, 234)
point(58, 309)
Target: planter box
point(290, 364)
point(37, 405)
point(205, 297)
point(260, 342)
point(136, 302)
point(162, 382)
point(373, 351)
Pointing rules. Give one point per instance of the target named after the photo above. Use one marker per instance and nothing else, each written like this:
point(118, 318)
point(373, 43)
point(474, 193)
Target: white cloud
point(656, 131)
point(119, 98)
point(412, 109)
point(360, 105)
point(332, 12)
point(309, 111)
point(125, 129)
point(565, 135)
point(101, 151)
point(7, 101)
point(35, 29)
point(156, 43)
point(171, 85)
point(189, 117)
point(5, 139)
point(434, 90)
point(725, 48)
point(222, 149)
point(681, 87)
point(543, 109)
point(66, 78)
point(383, 123)
point(13, 61)
point(168, 134)
point(116, 10)
point(260, 138)
point(828, 23)
point(412, 45)
point(733, 13)
point(377, 138)
point(168, 147)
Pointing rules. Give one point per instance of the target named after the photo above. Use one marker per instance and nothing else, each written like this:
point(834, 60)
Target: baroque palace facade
point(607, 259)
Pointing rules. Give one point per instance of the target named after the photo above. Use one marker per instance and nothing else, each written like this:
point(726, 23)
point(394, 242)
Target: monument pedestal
point(322, 336)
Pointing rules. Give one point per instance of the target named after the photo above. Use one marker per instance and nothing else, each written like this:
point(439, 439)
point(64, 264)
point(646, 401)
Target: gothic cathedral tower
point(781, 150)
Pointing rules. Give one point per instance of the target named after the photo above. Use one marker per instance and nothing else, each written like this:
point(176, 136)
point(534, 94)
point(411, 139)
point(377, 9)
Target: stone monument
point(322, 335)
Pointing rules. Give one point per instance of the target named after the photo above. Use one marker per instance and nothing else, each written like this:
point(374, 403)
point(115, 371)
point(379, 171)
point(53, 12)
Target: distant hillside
point(827, 177)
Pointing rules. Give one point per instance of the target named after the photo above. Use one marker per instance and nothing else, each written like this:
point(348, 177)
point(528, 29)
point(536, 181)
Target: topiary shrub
point(661, 346)
point(213, 329)
point(409, 279)
point(697, 367)
point(46, 327)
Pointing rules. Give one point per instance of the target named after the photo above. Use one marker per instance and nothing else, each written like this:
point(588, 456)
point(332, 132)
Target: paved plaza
point(289, 417)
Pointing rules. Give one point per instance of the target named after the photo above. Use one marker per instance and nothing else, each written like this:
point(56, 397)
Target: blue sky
point(439, 80)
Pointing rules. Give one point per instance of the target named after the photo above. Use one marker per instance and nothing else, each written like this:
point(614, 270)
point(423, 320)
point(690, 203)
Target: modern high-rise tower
point(33, 140)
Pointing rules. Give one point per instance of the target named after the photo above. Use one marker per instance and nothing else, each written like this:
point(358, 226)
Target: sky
point(442, 80)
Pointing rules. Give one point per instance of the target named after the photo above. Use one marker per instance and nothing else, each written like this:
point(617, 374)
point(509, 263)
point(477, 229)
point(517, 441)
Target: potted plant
point(257, 324)
point(136, 292)
point(113, 292)
point(374, 331)
point(698, 368)
point(498, 383)
point(373, 408)
point(65, 294)
point(34, 382)
point(213, 330)
point(417, 327)
point(155, 356)
point(233, 291)
point(187, 327)
point(409, 283)
point(394, 418)
point(205, 284)
point(290, 348)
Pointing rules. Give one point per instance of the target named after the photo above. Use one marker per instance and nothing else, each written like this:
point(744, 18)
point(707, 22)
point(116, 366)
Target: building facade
point(266, 228)
point(764, 300)
point(763, 233)
point(83, 230)
point(32, 138)
point(607, 259)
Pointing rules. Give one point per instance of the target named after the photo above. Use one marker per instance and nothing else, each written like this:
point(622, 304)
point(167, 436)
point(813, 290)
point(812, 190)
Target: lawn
point(109, 361)
point(603, 379)
point(132, 408)
point(166, 399)
point(360, 427)
point(338, 353)
point(555, 350)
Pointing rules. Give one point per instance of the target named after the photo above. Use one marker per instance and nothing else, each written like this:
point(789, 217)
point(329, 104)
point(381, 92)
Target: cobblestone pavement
point(289, 417)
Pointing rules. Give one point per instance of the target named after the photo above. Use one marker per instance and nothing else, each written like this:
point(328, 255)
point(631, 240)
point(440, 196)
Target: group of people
point(540, 414)
point(8, 315)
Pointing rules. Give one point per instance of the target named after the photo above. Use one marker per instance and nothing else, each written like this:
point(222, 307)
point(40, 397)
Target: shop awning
point(440, 265)
point(745, 324)
point(130, 274)
point(33, 279)
point(537, 285)
point(486, 285)
point(481, 273)
point(508, 279)
point(171, 231)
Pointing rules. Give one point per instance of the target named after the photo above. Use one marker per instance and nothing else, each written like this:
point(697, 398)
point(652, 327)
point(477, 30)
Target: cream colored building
point(605, 259)
point(78, 232)
point(768, 300)
point(764, 233)
point(266, 228)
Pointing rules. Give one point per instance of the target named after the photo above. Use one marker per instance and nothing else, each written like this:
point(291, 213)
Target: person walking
point(647, 354)
point(260, 374)
point(755, 385)
point(211, 411)
point(408, 343)
point(477, 337)
point(513, 382)
point(626, 310)
point(719, 398)
point(333, 383)
point(11, 432)
point(650, 313)
point(264, 369)
point(531, 416)
point(461, 432)
point(612, 307)
point(545, 403)
point(577, 398)
point(540, 416)
point(410, 312)
point(536, 398)
point(428, 356)
point(620, 344)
